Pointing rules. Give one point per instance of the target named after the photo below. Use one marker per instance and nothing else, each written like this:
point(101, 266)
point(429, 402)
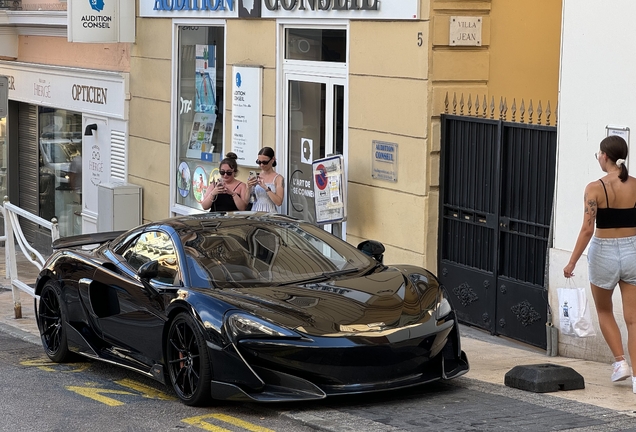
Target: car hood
point(381, 301)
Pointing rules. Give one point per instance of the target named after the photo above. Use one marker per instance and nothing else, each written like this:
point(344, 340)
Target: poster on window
point(329, 190)
point(200, 140)
point(205, 79)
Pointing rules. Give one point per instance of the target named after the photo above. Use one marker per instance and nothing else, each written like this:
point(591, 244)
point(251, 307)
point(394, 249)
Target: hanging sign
point(247, 113)
point(329, 190)
point(101, 21)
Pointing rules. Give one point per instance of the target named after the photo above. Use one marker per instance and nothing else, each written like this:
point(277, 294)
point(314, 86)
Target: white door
point(315, 127)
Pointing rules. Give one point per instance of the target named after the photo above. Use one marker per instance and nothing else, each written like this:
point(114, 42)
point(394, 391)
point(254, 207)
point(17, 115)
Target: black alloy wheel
point(52, 317)
point(188, 361)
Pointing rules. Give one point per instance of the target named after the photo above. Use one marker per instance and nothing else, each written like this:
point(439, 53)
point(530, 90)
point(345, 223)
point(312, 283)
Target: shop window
point(200, 111)
point(316, 45)
point(60, 168)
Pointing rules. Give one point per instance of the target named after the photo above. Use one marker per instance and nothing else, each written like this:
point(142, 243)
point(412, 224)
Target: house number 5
point(420, 39)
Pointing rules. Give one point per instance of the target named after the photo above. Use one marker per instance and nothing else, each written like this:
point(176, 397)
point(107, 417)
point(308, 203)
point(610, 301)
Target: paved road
point(40, 395)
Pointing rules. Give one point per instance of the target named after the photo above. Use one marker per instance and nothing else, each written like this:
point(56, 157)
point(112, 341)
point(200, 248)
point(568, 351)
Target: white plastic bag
point(575, 318)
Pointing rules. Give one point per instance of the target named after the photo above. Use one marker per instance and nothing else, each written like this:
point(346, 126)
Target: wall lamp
point(89, 129)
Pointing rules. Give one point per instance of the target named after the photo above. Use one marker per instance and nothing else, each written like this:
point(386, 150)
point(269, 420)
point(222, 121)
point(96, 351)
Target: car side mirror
point(149, 270)
point(373, 248)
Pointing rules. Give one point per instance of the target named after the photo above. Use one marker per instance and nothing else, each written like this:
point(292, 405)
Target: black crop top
point(615, 217)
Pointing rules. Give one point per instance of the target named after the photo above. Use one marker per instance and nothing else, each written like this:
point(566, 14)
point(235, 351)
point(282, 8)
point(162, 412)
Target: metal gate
point(496, 193)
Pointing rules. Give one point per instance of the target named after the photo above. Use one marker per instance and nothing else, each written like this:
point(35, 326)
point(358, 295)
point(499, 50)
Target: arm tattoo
point(590, 209)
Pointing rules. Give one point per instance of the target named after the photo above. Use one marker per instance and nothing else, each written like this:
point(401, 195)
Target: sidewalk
point(490, 357)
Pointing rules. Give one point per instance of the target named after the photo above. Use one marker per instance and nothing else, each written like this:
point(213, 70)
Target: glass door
point(315, 128)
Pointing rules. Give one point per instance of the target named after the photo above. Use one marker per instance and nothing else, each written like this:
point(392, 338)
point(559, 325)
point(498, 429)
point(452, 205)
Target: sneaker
point(634, 384)
point(621, 371)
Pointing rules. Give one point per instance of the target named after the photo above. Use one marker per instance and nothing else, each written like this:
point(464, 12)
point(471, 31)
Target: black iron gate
point(496, 193)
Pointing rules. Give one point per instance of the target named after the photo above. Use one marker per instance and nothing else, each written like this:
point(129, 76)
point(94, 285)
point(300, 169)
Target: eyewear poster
point(329, 190)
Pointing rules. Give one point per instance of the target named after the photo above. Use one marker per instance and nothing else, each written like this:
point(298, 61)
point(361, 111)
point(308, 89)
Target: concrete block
point(544, 378)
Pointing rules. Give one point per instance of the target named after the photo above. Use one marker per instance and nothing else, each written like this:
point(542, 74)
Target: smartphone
point(253, 174)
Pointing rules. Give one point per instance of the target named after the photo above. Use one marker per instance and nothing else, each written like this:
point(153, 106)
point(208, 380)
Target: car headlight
point(443, 305)
point(241, 325)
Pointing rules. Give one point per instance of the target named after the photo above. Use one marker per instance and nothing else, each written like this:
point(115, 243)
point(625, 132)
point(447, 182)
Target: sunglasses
point(260, 162)
point(597, 154)
point(226, 172)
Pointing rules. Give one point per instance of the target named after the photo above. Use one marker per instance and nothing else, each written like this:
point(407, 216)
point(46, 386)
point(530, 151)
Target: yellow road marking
point(96, 394)
point(200, 422)
point(146, 391)
point(46, 365)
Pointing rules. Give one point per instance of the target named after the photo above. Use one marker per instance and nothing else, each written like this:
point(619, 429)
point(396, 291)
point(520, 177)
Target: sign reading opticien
point(327, 9)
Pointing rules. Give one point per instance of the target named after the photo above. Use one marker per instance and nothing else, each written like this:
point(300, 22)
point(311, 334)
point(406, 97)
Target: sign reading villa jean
point(465, 31)
point(101, 21)
point(246, 112)
point(384, 161)
point(327, 9)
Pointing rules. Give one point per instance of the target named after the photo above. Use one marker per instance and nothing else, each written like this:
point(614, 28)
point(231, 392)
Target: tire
point(52, 323)
point(188, 362)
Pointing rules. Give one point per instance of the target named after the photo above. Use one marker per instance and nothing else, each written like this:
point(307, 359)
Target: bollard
point(17, 310)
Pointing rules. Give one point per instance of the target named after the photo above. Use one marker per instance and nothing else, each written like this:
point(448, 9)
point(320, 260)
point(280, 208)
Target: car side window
point(155, 245)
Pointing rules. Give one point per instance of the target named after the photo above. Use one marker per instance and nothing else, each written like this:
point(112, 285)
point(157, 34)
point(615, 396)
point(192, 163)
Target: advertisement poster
point(201, 136)
point(246, 113)
point(205, 82)
point(329, 190)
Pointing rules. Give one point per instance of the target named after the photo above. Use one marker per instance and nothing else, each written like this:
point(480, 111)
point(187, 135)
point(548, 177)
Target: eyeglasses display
point(260, 162)
point(221, 172)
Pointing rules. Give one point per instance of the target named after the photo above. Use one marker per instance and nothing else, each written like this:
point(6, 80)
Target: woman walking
point(610, 203)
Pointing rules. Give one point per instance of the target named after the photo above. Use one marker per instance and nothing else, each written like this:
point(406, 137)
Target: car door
point(130, 315)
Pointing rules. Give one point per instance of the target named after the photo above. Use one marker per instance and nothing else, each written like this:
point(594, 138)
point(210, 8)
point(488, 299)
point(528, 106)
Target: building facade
point(342, 77)
point(66, 130)
point(596, 99)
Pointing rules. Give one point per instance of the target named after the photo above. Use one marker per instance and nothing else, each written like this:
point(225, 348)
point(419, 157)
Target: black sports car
point(247, 306)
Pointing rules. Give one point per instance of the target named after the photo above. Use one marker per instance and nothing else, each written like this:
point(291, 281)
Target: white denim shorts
point(610, 260)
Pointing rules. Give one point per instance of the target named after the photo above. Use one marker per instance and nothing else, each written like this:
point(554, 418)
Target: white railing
point(13, 235)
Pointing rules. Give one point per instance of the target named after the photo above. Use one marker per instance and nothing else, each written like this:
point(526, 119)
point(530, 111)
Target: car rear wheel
point(52, 320)
point(188, 361)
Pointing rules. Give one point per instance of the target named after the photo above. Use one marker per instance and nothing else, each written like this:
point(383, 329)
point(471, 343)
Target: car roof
point(223, 219)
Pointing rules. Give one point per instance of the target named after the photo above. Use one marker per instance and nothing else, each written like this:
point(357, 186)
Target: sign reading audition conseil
point(101, 21)
point(315, 9)
point(384, 161)
point(247, 113)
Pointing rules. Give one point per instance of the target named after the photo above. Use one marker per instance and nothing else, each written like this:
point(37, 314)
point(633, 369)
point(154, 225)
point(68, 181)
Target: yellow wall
point(149, 130)
point(525, 50)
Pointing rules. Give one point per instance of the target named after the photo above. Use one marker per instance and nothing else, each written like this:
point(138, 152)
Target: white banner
point(90, 92)
point(247, 113)
point(301, 9)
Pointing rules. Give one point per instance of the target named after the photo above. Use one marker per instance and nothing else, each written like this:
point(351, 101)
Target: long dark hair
point(269, 152)
point(230, 159)
point(615, 148)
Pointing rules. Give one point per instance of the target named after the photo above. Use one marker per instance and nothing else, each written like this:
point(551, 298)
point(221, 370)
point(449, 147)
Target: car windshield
point(272, 253)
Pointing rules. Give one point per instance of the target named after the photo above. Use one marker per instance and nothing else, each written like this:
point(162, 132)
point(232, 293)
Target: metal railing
point(14, 235)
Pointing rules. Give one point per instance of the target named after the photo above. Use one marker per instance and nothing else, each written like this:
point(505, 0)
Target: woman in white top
point(268, 185)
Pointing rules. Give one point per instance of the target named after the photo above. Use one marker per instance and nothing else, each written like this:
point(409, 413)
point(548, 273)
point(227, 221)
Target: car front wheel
point(52, 320)
point(188, 362)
